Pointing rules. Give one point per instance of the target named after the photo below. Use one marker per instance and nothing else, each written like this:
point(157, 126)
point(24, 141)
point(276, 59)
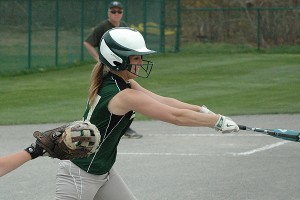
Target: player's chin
point(134, 76)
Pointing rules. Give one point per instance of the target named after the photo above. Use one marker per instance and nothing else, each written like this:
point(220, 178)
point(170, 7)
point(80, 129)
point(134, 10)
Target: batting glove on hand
point(204, 109)
point(226, 125)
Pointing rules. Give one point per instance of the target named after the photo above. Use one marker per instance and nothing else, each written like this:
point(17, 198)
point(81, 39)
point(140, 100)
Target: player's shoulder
point(114, 81)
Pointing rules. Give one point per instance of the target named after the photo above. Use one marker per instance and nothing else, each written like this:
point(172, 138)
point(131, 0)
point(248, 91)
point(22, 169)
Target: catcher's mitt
point(76, 140)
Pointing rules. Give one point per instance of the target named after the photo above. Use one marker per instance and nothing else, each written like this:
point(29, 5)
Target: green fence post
point(125, 17)
point(29, 32)
point(103, 9)
point(178, 27)
point(145, 19)
point(56, 31)
point(162, 27)
point(258, 28)
point(82, 30)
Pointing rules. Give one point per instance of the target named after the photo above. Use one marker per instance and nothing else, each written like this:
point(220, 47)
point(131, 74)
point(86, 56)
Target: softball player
point(115, 13)
point(113, 99)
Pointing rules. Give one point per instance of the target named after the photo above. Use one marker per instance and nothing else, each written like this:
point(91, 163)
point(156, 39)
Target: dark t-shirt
point(95, 37)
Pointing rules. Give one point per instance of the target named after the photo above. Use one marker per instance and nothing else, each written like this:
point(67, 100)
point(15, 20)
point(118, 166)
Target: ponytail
point(96, 81)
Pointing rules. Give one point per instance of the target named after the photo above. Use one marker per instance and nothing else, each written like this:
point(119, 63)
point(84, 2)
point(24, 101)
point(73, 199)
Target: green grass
point(227, 83)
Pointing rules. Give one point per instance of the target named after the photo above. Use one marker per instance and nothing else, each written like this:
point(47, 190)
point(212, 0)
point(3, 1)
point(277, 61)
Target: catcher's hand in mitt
point(76, 140)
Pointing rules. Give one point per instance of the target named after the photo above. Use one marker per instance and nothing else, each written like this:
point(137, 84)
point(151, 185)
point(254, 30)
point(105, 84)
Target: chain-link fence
point(254, 27)
point(44, 33)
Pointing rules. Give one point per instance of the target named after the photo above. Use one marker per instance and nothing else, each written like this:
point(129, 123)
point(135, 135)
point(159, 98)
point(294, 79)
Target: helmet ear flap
point(119, 66)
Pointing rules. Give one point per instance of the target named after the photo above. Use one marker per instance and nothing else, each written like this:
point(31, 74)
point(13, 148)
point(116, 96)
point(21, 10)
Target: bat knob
point(242, 127)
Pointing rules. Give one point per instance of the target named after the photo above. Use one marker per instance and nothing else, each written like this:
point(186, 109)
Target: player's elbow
point(178, 119)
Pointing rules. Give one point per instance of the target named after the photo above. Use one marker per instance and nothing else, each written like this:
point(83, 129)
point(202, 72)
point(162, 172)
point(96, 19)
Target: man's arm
point(92, 51)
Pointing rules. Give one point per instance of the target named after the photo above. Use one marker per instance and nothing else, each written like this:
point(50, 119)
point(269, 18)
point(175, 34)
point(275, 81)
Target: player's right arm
point(149, 105)
point(130, 99)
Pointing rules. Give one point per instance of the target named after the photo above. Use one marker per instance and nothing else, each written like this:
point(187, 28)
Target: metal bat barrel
point(287, 134)
point(278, 133)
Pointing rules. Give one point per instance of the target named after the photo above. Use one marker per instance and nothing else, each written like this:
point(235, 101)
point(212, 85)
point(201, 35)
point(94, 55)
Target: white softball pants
point(73, 183)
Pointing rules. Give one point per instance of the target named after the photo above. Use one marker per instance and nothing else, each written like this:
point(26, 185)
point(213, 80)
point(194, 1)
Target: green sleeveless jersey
point(111, 127)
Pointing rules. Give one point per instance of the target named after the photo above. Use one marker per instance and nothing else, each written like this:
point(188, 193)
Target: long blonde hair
point(96, 81)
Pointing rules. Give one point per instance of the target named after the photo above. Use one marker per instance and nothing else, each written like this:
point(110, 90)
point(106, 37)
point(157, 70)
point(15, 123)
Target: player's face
point(136, 62)
point(115, 14)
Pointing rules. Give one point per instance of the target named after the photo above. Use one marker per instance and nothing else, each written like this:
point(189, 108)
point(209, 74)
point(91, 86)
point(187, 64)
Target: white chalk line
point(161, 154)
point(246, 153)
point(207, 135)
point(264, 148)
point(267, 147)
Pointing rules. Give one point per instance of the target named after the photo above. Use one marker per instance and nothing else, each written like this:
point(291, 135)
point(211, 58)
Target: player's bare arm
point(13, 161)
point(141, 102)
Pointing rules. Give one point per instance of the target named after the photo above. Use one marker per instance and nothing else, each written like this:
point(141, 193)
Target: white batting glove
point(204, 109)
point(226, 125)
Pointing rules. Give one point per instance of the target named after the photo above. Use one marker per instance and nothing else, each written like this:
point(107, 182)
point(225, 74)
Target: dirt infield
point(178, 163)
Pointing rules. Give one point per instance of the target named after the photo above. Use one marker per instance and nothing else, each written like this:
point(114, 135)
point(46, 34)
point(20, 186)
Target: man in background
point(115, 14)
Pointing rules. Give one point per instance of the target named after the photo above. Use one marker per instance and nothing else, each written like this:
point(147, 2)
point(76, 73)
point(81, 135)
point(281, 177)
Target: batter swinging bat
point(278, 133)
